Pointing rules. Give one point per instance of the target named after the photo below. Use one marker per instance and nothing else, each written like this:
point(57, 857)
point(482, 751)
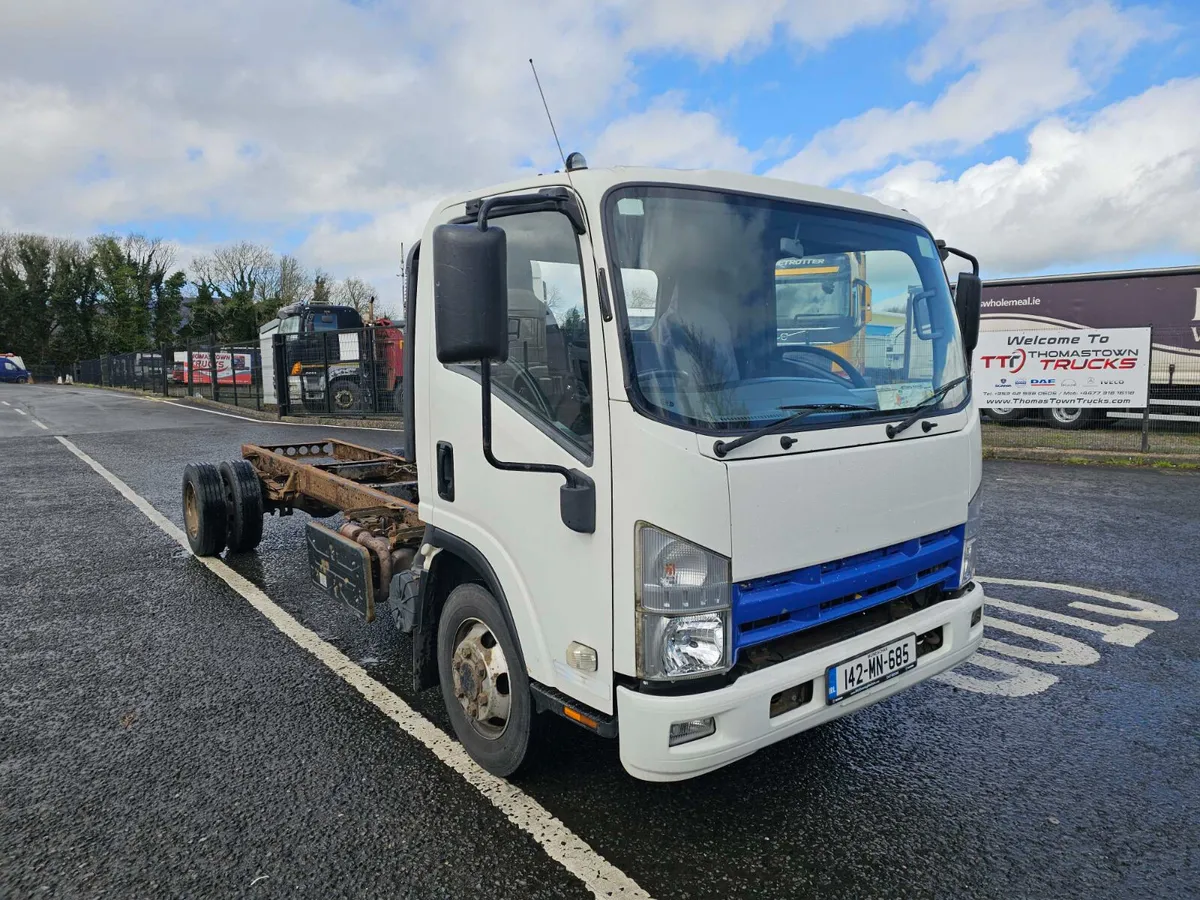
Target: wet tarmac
point(159, 737)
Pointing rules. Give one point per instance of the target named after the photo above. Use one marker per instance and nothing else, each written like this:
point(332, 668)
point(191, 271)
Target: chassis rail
point(374, 490)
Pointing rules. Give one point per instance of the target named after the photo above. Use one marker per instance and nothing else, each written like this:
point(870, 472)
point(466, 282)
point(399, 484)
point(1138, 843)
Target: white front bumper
point(742, 710)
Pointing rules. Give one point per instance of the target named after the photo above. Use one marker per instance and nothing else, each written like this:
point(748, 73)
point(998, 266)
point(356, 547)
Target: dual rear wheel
point(222, 507)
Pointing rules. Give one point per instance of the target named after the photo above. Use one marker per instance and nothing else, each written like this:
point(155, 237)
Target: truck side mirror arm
point(968, 296)
point(576, 498)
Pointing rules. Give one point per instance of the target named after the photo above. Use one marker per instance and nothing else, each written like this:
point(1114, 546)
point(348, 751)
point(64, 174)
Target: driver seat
point(693, 334)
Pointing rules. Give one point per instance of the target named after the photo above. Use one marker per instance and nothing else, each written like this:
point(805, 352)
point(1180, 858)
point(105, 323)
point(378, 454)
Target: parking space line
point(5, 402)
point(561, 844)
point(18, 411)
point(39, 425)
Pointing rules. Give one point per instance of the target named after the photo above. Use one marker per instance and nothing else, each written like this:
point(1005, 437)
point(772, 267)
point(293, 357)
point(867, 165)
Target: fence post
point(213, 370)
point(233, 371)
point(283, 386)
point(325, 365)
point(1146, 411)
point(371, 377)
point(190, 369)
point(166, 379)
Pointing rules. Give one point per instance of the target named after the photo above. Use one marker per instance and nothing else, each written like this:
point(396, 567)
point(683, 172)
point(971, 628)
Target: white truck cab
point(645, 512)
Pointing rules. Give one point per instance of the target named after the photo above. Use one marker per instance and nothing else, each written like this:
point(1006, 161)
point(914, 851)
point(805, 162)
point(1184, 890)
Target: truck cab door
point(549, 406)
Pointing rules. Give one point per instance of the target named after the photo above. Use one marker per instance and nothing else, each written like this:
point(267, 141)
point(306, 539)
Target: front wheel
point(483, 681)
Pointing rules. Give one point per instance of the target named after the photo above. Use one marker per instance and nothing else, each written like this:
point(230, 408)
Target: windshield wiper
point(919, 410)
point(720, 448)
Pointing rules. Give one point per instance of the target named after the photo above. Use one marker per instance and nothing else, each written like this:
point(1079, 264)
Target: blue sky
point(1046, 136)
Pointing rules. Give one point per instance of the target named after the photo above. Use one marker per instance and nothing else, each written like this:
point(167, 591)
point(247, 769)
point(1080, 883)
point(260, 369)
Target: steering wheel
point(526, 387)
point(852, 374)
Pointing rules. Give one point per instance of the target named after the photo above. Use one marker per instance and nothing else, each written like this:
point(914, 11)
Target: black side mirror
point(967, 297)
point(470, 293)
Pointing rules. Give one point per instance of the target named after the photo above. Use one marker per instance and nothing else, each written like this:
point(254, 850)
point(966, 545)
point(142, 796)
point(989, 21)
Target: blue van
point(12, 369)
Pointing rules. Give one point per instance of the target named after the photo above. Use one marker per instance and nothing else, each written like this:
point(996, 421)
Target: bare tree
point(295, 283)
point(242, 270)
point(354, 292)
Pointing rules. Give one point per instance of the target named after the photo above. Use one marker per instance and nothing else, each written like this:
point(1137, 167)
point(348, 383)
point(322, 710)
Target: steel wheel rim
point(191, 511)
point(1001, 410)
point(481, 679)
point(1066, 415)
point(343, 398)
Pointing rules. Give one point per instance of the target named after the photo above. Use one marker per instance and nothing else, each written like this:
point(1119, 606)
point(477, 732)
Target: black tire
point(1071, 418)
point(1012, 415)
point(244, 503)
point(500, 751)
point(345, 395)
point(204, 513)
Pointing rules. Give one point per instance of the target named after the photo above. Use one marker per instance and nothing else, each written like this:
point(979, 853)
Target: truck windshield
point(736, 307)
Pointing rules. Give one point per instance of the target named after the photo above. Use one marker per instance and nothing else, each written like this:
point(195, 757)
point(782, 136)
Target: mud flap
point(342, 568)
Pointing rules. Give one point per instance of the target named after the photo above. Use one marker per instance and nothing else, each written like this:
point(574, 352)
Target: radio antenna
point(550, 119)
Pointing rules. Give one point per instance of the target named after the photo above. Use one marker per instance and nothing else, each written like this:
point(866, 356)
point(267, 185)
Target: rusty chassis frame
point(375, 491)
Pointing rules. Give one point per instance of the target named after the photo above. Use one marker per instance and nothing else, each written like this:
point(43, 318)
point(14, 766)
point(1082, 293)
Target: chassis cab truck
point(686, 534)
point(669, 526)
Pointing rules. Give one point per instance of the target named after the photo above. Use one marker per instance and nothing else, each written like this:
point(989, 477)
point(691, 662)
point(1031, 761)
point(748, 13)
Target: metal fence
point(1169, 425)
point(333, 373)
point(336, 373)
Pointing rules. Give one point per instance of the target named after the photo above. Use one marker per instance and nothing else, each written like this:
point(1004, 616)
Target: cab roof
point(593, 183)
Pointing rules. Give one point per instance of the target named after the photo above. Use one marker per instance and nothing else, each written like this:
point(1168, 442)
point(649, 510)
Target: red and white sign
point(1107, 368)
point(202, 367)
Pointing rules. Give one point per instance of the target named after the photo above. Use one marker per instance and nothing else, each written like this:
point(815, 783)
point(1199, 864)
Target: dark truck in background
point(332, 360)
point(1166, 299)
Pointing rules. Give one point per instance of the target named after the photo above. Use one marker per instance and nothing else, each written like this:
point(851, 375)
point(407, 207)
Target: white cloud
point(667, 135)
point(718, 30)
point(280, 113)
point(1121, 183)
point(1023, 60)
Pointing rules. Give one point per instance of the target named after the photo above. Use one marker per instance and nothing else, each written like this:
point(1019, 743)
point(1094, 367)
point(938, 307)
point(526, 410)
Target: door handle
point(445, 471)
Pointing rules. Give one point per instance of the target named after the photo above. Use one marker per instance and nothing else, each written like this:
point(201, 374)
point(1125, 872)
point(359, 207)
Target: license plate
point(873, 667)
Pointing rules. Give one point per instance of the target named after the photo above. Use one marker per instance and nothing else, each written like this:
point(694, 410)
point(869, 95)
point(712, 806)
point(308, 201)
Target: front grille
point(777, 605)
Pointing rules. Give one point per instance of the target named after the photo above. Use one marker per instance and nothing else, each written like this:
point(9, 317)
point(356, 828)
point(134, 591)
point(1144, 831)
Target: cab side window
point(548, 373)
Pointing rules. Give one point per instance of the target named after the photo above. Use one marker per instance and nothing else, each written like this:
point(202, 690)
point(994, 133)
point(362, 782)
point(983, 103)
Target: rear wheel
point(244, 505)
point(345, 395)
point(204, 513)
point(483, 681)
point(1003, 414)
point(1070, 417)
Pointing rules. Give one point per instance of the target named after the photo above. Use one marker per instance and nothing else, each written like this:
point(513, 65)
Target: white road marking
point(1141, 610)
point(1067, 651)
point(561, 844)
point(18, 411)
point(39, 425)
point(1121, 635)
point(1021, 681)
point(5, 402)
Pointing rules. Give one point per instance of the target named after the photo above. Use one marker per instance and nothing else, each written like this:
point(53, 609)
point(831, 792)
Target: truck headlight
point(683, 602)
point(970, 535)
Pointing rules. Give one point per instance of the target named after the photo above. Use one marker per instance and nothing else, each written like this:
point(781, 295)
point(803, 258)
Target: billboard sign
point(1106, 368)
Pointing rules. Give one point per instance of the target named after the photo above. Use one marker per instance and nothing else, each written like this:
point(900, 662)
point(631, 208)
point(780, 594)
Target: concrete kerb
point(1181, 461)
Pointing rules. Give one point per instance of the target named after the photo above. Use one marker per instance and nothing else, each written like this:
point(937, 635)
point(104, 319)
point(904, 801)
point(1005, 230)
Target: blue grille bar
point(775, 605)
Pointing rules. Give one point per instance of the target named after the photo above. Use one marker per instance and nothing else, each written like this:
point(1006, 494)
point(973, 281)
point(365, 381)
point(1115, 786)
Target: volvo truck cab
point(643, 507)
